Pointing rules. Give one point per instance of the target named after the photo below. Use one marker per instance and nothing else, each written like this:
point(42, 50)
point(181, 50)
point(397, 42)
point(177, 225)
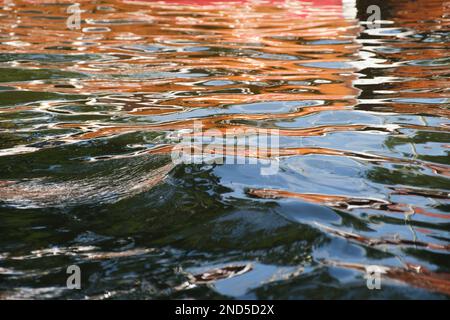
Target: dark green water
point(363, 119)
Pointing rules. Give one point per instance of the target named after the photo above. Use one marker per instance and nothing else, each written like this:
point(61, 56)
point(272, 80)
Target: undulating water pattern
point(89, 116)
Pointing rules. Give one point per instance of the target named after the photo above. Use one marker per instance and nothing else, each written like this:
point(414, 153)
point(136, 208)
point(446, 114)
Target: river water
point(90, 116)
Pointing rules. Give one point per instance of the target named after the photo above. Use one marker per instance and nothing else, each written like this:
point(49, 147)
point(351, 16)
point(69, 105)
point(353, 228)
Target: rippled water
point(88, 118)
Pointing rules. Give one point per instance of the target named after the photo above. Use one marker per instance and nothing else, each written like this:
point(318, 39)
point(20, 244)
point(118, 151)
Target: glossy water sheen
point(88, 118)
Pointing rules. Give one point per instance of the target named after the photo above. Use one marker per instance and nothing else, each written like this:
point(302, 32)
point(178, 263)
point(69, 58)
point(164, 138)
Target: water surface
point(89, 116)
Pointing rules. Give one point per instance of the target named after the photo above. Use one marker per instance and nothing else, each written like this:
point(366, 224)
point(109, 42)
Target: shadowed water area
point(89, 118)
